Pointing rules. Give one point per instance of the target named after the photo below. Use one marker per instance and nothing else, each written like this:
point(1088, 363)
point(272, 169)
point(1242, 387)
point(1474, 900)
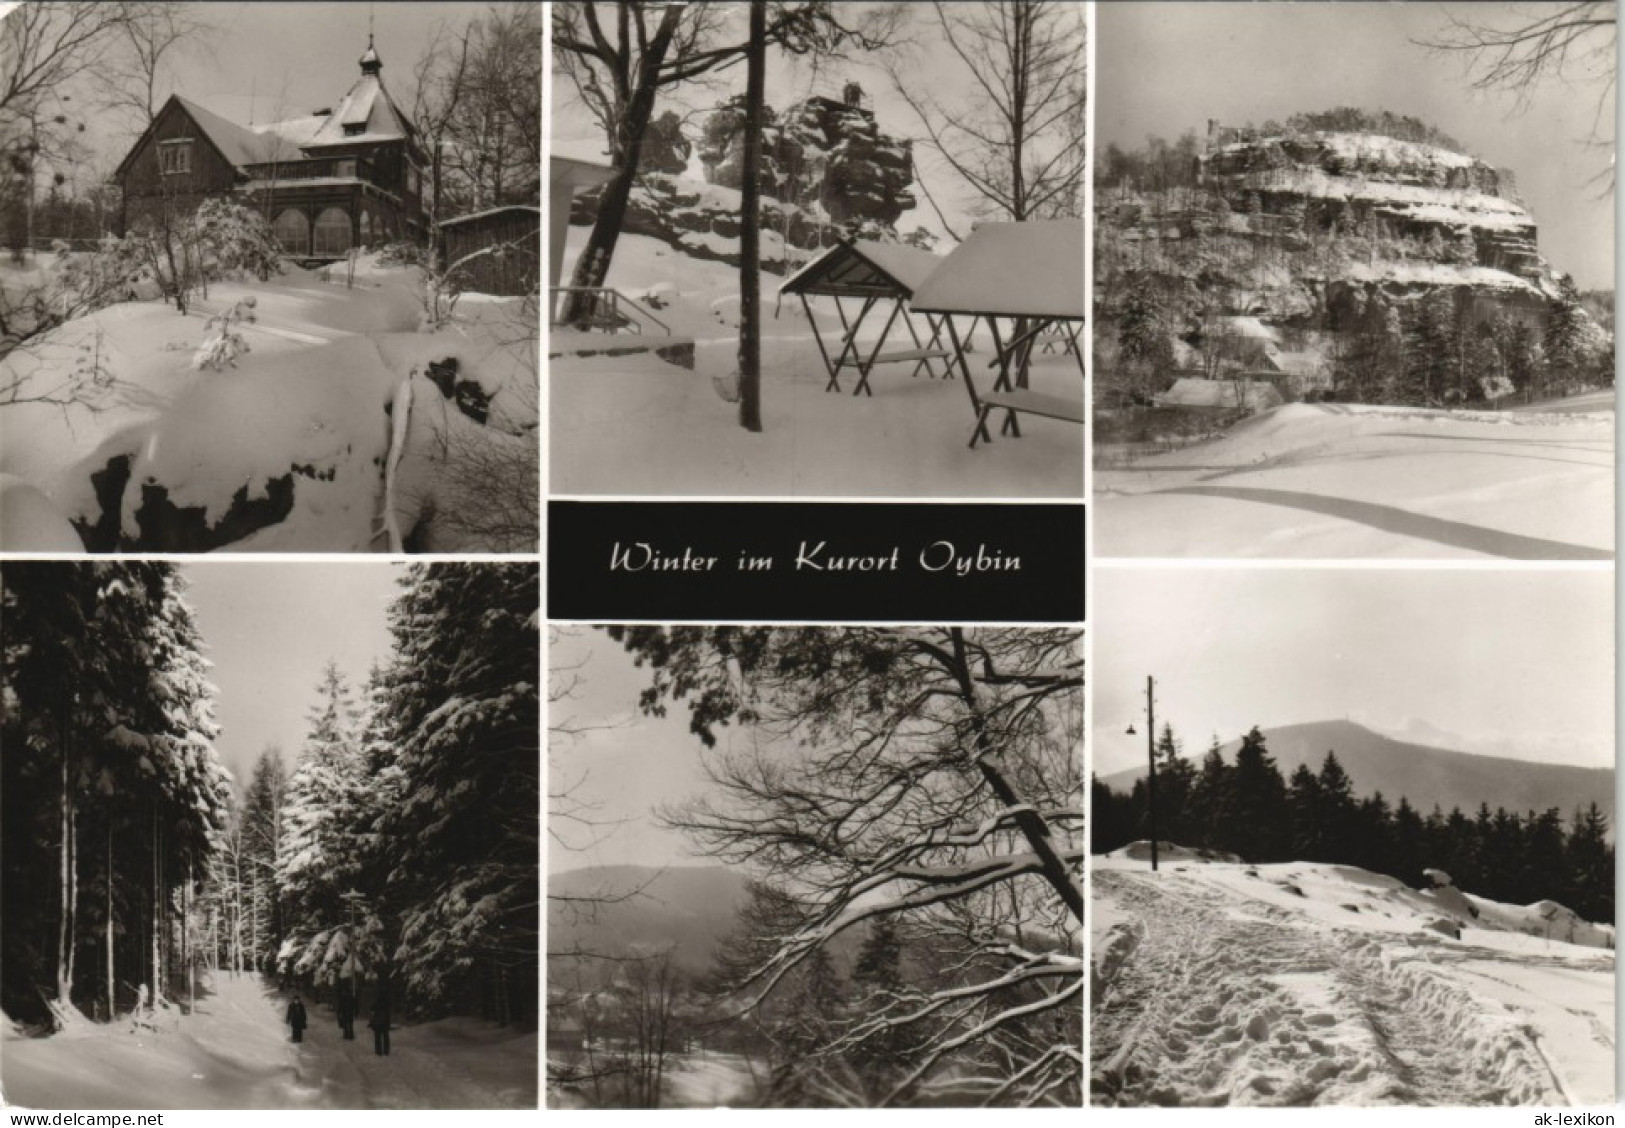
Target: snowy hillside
point(1346, 480)
point(687, 909)
point(285, 448)
point(1297, 984)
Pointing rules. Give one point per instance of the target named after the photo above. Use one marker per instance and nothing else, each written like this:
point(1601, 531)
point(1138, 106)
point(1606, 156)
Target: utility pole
point(1151, 763)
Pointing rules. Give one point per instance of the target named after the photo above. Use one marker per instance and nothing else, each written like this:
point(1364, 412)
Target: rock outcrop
point(821, 153)
point(828, 172)
point(1309, 230)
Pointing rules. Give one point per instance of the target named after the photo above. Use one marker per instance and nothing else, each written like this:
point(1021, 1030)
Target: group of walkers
point(347, 1007)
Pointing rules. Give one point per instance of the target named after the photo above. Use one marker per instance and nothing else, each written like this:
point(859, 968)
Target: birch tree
point(1016, 139)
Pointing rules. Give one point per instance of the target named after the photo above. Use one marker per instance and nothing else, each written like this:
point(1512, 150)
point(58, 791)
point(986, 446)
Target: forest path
point(1224, 1003)
point(235, 1051)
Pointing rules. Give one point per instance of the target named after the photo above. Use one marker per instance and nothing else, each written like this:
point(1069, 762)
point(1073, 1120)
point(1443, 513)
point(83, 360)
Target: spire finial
point(370, 62)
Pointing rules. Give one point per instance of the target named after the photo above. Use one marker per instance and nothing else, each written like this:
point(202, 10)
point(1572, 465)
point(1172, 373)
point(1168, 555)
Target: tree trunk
point(73, 887)
point(1032, 826)
point(750, 232)
point(64, 941)
point(186, 937)
point(112, 997)
point(593, 266)
point(157, 911)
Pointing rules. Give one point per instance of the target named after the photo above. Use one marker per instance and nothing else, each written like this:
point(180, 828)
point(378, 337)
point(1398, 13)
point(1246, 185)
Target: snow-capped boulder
point(29, 522)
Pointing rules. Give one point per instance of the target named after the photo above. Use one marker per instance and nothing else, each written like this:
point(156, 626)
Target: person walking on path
point(296, 1019)
point(347, 1009)
point(380, 1024)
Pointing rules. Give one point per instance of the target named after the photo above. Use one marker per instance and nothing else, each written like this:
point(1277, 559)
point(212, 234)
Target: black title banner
point(815, 562)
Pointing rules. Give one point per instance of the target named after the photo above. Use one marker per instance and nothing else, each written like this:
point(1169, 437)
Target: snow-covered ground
point(309, 399)
point(234, 1052)
point(1341, 480)
point(635, 425)
point(704, 1079)
point(1216, 982)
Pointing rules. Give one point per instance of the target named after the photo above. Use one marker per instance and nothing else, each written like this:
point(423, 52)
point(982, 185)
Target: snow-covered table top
point(1030, 269)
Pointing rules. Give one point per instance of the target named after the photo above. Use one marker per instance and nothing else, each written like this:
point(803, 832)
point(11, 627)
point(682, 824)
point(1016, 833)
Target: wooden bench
point(922, 358)
point(1020, 400)
point(887, 358)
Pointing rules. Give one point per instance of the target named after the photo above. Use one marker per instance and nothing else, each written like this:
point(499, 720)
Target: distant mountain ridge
point(688, 909)
point(1423, 774)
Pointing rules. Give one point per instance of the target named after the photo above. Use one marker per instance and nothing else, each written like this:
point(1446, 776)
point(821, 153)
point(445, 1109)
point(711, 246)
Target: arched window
point(332, 232)
point(292, 231)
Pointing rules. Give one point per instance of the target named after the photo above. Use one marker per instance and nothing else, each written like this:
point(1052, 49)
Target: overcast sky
point(1497, 662)
point(1163, 68)
point(622, 768)
point(270, 628)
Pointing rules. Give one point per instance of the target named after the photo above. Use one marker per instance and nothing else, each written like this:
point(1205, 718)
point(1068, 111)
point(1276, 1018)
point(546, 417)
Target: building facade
point(347, 176)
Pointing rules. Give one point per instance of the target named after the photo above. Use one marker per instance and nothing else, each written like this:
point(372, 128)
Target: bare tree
point(46, 44)
point(492, 135)
point(928, 774)
point(1522, 50)
point(132, 76)
point(439, 87)
point(1016, 140)
point(44, 48)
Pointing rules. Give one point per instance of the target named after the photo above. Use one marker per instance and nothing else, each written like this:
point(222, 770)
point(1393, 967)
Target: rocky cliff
point(1317, 233)
point(1324, 181)
point(828, 172)
point(820, 153)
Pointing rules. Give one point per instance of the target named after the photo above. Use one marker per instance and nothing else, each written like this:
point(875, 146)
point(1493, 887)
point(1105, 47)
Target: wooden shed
point(499, 249)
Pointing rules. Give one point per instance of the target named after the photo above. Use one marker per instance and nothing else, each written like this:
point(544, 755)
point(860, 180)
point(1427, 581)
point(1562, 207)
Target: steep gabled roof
point(237, 145)
point(369, 110)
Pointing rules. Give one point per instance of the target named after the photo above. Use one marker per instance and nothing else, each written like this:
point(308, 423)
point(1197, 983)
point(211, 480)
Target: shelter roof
point(1028, 269)
point(864, 267)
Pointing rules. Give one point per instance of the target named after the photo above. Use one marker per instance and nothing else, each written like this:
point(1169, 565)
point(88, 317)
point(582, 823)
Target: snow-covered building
point(351, 175)
point(1192, 393)
point(496, 251)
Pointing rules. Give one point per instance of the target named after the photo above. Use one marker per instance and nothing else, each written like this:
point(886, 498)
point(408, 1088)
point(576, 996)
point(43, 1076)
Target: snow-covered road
point(1206, 996)
point(234, 1052)
point(1340, 480)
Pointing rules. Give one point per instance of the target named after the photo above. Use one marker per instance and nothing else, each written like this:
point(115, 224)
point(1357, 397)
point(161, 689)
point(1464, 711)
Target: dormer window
point(175, 156)
point(351, 128)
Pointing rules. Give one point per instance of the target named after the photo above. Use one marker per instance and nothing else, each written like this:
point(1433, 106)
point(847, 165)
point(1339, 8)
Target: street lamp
point(1151, 763)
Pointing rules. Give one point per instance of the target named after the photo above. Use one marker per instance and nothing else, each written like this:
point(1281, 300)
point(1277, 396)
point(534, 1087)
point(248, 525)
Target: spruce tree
point(319, 852)
point(462, 838)
point(1590, 866)
point(1256, 802)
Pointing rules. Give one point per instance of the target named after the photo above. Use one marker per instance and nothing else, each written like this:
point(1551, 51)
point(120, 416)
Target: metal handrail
point(610, 298)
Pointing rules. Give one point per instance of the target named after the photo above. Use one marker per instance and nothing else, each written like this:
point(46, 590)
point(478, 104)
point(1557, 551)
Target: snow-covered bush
point(224, 342)
point(186, 251)
point(1496, 387)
